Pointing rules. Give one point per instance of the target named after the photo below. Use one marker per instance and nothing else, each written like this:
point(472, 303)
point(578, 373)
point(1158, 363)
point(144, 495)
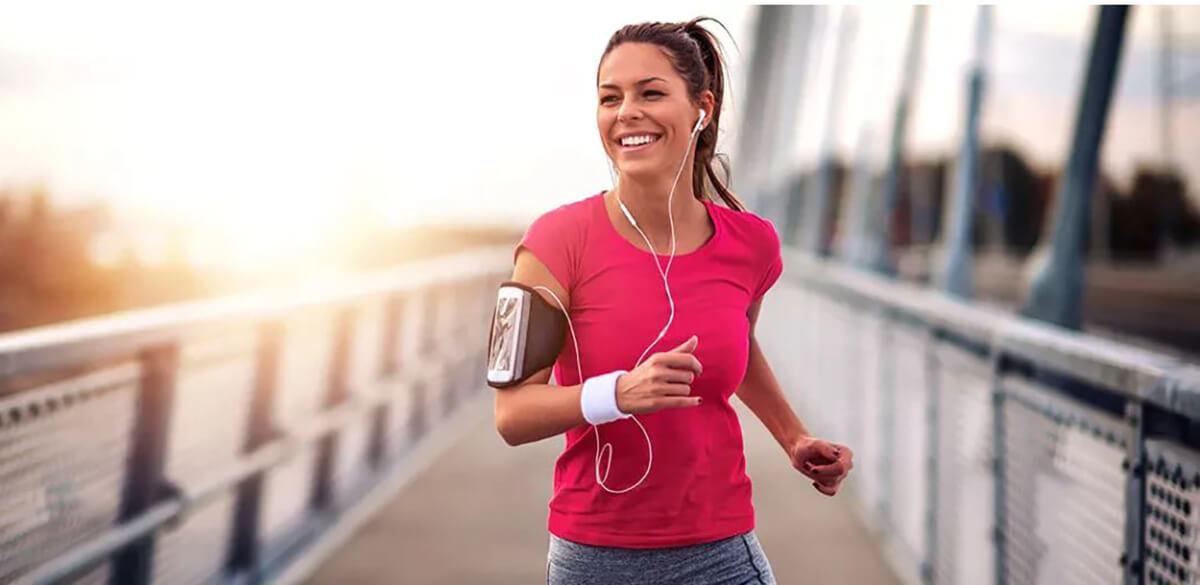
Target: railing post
point(145, 481)
point(881, 252)
point(388, 368)
point(448, 323)
point(853, 242)
point(245, 549)
point(1135, 494)
point(478, 332)
point(419, 417)
point(887, 367)
point(791, 203)
point(794, 67)
point(954, 272)
point(777, 74)
point(758, 75)
point(933, 457)
point(818, 196)
point(1057, 266)
point(998, 463)
point(337, 392)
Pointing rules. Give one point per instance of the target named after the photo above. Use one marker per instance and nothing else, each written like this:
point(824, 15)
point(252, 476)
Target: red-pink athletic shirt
point(697, 490)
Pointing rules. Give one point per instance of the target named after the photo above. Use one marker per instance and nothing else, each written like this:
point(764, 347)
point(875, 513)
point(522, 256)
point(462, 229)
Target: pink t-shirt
point(697, 490)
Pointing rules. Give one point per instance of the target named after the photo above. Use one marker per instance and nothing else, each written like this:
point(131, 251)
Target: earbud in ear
point(700, 122)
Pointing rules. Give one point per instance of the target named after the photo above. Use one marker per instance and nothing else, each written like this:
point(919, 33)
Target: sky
point(269, 117)
point(257, 125)
point(1035, 61)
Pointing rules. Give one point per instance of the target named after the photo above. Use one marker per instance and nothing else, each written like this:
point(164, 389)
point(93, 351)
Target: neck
point(646, 199)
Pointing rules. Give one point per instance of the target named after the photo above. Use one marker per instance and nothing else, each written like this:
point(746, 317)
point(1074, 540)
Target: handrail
point(1166, 381)
point(150, 498)
point(44, 349)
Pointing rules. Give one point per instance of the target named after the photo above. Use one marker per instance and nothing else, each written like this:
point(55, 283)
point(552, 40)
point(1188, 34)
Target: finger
point(824, 475)
point(677, 402)
point(847, 458)
point(686, 347)
point(827, 490)
point(825, 450)
point(680, 361)
point(674, 376)
point(825, 471)
point(673, 389)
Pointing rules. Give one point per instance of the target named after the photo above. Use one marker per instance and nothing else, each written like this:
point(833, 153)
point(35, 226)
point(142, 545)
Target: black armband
point(526, 336)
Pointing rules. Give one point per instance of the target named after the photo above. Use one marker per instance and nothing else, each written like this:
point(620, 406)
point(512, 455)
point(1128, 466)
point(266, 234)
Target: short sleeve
point(771, 260)
point(551, 238)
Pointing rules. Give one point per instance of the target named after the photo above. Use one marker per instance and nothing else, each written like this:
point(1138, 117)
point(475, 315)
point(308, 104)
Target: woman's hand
point(664, 380)
point(827, 464)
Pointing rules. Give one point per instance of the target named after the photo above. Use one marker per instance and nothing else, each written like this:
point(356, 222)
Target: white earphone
point(699, 126)
point(663, 272)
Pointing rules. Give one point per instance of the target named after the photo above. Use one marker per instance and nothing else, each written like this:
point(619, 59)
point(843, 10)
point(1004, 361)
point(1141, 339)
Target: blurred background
point(154, 153)
point(248, 253)
point(884, 97)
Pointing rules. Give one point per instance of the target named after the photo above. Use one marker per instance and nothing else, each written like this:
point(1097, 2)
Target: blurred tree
point(1015, 201)
point(1155, 213)
point(47, 274)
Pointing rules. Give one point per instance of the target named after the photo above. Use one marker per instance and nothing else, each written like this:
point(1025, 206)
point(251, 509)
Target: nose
point(629, 111)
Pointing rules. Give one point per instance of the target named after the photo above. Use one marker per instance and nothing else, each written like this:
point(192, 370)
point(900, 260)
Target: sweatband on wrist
point(599, 398)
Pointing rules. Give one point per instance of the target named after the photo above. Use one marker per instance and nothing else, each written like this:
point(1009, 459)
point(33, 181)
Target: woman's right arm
point(535, 410)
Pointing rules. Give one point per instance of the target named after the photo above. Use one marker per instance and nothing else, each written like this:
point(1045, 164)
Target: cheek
point(604, 122)
point(606, 116)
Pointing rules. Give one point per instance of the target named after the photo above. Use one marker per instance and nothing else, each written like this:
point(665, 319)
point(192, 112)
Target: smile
point(638, 141)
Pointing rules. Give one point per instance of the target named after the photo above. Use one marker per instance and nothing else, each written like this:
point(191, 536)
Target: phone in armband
point(526, 335)
point(509, 329)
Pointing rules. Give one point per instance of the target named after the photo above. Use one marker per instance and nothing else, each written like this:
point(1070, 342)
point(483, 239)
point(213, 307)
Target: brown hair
point(695, 54)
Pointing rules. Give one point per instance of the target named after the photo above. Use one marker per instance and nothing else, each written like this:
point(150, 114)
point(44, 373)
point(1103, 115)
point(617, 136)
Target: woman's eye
point(654, 93)
point(608, 99)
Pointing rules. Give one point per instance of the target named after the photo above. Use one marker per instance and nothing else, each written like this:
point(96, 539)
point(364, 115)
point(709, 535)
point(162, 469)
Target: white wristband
point(599, 398)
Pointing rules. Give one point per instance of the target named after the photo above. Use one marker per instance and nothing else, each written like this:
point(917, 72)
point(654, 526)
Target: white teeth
point(637, 140)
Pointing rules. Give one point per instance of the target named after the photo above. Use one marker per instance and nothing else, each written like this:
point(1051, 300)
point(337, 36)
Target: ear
point(707, 103)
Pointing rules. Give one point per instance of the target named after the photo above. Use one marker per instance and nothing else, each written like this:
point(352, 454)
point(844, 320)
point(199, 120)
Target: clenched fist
point(662, 381)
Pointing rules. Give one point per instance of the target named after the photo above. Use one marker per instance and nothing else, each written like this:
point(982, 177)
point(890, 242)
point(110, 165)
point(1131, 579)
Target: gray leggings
point(737, 560)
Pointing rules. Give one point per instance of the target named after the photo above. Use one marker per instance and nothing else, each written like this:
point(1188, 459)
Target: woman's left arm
point(760, 392)
point(826, 463)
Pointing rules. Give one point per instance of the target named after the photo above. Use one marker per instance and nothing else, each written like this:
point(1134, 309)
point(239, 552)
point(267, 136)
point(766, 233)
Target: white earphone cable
point(605, 452)
point(654, 253)
point(607, 448)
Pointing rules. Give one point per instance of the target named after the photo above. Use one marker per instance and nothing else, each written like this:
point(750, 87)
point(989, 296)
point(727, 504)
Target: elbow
point(509, 438)
point(504, 428)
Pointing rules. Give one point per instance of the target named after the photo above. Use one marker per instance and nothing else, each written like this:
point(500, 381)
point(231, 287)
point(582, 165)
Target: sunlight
point(248, 130)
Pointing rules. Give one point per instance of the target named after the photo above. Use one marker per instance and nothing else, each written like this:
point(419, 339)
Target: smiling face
point(644, 113)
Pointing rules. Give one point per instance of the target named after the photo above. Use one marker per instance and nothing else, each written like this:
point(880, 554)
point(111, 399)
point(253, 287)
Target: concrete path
point(477, 516)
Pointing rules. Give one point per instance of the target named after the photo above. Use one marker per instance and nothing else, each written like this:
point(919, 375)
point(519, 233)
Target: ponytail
point(705, 179)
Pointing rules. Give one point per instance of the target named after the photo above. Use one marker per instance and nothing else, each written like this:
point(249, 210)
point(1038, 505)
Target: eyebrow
point(639, 82)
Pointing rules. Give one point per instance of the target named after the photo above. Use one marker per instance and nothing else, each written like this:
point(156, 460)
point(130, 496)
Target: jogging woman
point(661, 278)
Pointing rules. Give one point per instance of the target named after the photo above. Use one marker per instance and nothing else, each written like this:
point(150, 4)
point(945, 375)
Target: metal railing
point(214, 442)
point(992, 448)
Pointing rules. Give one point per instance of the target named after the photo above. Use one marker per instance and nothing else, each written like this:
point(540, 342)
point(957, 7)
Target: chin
point(642, 169)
